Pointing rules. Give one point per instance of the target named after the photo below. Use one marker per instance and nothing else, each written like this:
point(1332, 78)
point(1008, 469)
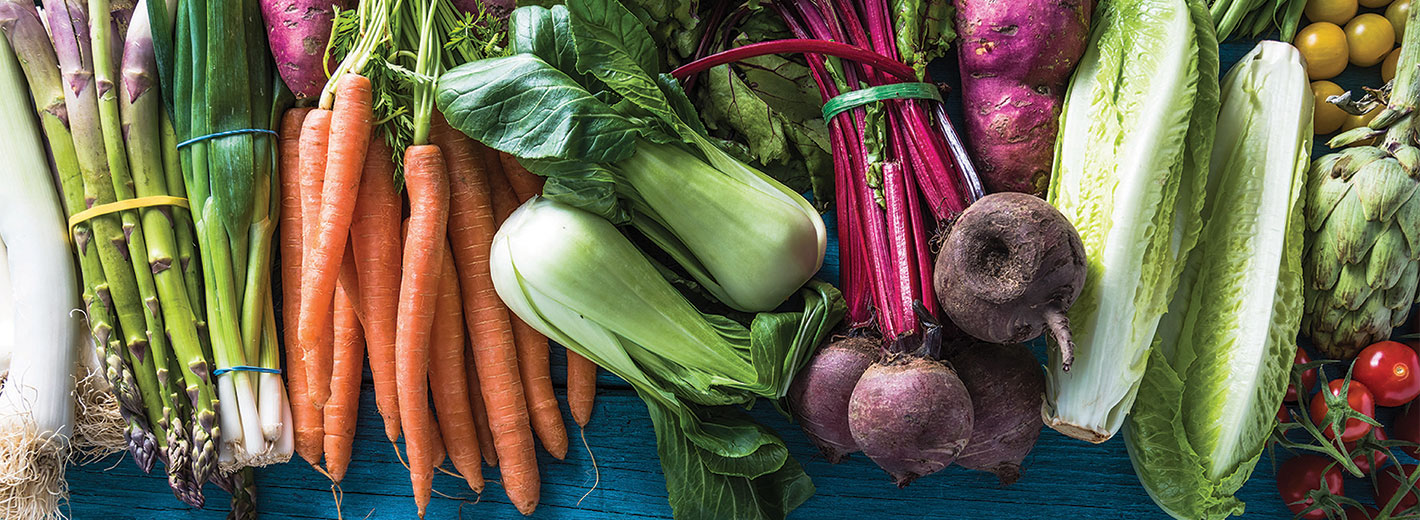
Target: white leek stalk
point(36, 404)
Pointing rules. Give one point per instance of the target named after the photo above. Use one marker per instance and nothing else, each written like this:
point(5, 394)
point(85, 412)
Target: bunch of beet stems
point(110, 142)
point(223, 96)
point(890, 160)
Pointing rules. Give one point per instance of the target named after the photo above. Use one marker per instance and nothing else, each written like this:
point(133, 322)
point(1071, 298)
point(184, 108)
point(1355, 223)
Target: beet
point(911, 415)
point(1010, 267)
point(1007, 385)
point(819, 395)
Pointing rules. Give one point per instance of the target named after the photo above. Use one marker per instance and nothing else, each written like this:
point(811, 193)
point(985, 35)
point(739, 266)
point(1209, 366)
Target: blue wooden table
point(1063, 478)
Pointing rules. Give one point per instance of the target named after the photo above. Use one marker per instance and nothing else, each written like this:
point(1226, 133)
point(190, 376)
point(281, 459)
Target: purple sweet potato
point(911, 415)
point(1007, 385)
point(1016, 57)
point(298, 31)
point(820, 392)
point(1010, 267)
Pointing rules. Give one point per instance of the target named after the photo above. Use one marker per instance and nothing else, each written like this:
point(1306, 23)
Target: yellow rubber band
point(125, 205)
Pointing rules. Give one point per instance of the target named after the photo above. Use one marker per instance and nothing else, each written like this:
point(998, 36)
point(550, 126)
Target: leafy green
point(696, 371)
point(619, 140)
point(1130, 167)
point(1222, 355)
point(924, 30)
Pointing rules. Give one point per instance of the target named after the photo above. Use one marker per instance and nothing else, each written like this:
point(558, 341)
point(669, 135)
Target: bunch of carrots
point(412, 294)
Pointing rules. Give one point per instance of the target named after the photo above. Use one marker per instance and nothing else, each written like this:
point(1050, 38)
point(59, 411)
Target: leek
point(573, 276)
point(1224, 350)
point(1130, 164)
point(36, 404)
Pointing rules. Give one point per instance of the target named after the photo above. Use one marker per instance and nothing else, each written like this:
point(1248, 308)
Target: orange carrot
point(471, 230)
point(349, 281)
point(581, 387)
point(447, 379)
point(343, 406)
point(350, 127)
point(375, 235)
point(310, 335)
point(525, 183)
point(533, 363)
point(427, 184)
point(480, 413)
point(306, 418)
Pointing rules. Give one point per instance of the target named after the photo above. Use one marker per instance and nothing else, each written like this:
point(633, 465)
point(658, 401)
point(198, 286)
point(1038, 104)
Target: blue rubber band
point(196, 140)
point(244, 368)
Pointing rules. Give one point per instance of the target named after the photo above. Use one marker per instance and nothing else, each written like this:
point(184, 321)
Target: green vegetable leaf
point(613, 47)
point(774, 111)
point(697, 491)
point(924, 30)
point(524, 106)
point(585, 185)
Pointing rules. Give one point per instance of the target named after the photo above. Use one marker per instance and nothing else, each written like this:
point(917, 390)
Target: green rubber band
point(857, 98)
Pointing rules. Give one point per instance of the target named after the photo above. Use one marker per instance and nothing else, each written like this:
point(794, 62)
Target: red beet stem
point(840, 50)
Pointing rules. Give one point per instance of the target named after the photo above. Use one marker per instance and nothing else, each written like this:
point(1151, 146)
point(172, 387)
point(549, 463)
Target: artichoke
point(1363, 223)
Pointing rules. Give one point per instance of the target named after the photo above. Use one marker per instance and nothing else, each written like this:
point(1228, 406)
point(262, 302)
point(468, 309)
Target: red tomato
point(1407, 428)
point(1358, 397)
point(1303, 474)
point(1390, 483)
point(1283, 416)
point(1308, 377)
point(1368, 513)
point(1379, 454)
point(1391, 370)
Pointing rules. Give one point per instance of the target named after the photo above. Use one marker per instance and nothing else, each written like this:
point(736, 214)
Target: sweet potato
point(1016, 57)
point(298, 31)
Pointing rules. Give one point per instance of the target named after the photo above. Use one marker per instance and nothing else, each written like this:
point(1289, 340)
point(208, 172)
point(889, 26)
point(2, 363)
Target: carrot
point(525, 184)
point(532, 347)
point(348, 281)
point(306, 418)
point(471, 230)
point(343, 406)
point(350, 127)
point(427, 184)
point(581, 387)
point(310, 335)
point(447, 379)
point(375, 235)
point(480, 413)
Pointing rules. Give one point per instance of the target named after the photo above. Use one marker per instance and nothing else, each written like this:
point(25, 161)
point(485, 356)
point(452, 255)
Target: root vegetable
point(1010, 267)
point(819, 395)
point(298, 31)
point(1006, 384)
point(1015, 59)
point(911, 415)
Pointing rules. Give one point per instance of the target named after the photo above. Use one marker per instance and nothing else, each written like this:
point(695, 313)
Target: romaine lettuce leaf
point(1216, 379)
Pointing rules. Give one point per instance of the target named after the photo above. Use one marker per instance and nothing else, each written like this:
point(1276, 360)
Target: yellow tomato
point(1388, 66)
point(1326, 117)
point(1323, 44)
point(1373, 4)
point(1369, 37)
point(1397, 13)
point(1334, 11)
point(1353, 121)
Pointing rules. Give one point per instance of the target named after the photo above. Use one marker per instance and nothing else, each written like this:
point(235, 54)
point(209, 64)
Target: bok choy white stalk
point(1224, 350)
point(37, 402)
point(1130, 164)
point(574, 277)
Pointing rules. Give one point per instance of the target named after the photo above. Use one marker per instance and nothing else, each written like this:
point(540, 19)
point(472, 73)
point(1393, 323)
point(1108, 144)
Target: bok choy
point(1225, 348)
point(574, 277)
point(1130, 166)
point(582, 103)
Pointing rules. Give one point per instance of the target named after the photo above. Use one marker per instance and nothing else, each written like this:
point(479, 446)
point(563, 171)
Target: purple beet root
point(819, 395)
point(1006, 385)
point(911, 415)
point(1009, 269)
